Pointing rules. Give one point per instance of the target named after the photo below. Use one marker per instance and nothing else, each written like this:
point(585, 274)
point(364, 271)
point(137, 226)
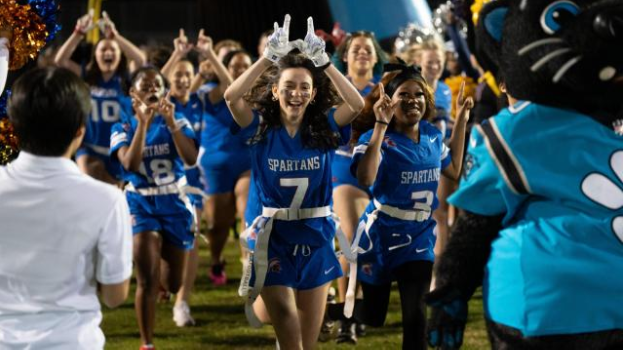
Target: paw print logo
point(600, 189)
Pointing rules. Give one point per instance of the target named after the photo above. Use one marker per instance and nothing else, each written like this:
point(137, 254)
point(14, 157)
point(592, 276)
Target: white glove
point(277, 45)
point(4, 62)
point(107, 26)
point(85, 23)
point(314, 46)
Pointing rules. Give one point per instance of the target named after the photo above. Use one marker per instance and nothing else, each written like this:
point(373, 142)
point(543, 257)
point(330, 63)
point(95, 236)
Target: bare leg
point(220, 215)
point(349, 203)
point(282, 308)
point(311, 304)
point(190, 273)
point(147, 247)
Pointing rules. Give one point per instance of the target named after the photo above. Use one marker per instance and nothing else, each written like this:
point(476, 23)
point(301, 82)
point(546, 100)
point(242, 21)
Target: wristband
point(382, 122)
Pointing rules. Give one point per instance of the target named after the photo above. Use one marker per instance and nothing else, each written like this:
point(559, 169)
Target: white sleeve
point(114, 247)
point(4, 63)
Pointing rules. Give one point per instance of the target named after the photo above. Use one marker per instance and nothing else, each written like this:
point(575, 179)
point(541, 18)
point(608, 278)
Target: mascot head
point(563, 53)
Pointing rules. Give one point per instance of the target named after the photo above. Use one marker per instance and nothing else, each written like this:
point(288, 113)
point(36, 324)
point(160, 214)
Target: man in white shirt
point(63, 235)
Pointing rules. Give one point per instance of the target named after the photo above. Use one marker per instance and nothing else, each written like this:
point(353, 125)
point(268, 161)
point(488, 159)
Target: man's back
point(62, 232)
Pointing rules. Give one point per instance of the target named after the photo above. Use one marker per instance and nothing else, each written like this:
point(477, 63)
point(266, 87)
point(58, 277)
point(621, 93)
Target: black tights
point(413, 280)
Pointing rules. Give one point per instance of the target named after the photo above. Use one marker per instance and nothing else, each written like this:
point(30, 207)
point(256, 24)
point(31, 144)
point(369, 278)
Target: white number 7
point(301, 184)
point(428, 197)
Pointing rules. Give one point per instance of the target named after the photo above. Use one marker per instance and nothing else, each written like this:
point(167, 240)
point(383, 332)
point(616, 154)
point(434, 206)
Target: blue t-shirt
point(554, 269)
point(109, 105)
point(288, 175)
point(161, 164)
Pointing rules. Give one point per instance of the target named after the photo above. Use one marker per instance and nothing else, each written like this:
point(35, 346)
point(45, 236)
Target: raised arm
point(204, 46)
point(314, 48)
point(353, 102)
point(369, 164)
point(276, 47)
point(131, 157)
point(135, 56)
point(63, 56)
point(181, 47)
point(457, 140)
point(184, 145)
point(240, 110)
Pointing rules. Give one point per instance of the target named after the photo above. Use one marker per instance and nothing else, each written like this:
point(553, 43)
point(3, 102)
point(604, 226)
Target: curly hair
point(315, 129)
point(366, 119)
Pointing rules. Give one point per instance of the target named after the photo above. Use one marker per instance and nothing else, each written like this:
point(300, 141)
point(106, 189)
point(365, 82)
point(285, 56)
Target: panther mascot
point(541, 199)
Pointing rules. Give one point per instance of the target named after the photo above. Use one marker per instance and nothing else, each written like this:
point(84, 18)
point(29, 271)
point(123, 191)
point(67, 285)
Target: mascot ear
point(489, 34)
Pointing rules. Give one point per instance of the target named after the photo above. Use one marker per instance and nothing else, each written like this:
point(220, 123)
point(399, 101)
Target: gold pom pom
point(28, 32)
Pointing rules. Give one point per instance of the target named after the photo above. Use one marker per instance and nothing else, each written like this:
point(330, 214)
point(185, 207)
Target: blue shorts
point(113, 168)
point(193, 176)
point(221, 172)
point(175, 227)
point(299, 267)
point(341, 175)
point(393, 245)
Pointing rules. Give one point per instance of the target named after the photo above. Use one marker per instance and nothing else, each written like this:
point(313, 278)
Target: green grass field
point(221, 324)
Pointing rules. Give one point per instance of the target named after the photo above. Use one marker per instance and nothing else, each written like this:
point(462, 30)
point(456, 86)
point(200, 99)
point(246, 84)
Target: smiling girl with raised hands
point(291, 156)
point(401, 158)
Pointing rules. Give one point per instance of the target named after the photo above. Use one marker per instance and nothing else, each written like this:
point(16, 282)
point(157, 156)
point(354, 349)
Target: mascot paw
point(447, 318)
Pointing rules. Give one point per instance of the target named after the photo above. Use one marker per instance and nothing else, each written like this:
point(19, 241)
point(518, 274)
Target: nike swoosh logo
point(326, 272)
point(433, 139)
point(421, 250)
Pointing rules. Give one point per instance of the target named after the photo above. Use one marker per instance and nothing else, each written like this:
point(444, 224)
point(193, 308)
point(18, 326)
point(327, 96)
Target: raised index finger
point(310, 25)
point(286, 23)
point(182, 35)
point(381, 90)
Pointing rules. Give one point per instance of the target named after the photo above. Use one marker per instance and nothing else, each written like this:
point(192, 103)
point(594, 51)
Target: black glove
point(447, 318)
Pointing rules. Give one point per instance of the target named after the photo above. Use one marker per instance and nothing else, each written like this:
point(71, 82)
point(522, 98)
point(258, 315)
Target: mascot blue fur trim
point(541, 199)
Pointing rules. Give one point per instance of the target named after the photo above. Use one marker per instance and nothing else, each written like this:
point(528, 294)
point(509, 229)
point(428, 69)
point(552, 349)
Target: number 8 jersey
point(161, 165)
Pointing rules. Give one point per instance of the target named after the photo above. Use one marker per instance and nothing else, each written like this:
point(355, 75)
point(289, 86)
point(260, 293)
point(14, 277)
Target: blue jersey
point(109, 105)
point(443, 97)
point(288, 175)
point(407, 179)
point(556, 177)
point(408, 172)
point(193, 112)
point(161, 164)
point(217, 141)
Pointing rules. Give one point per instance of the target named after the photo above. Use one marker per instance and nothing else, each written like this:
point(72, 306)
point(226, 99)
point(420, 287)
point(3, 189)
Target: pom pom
point(30, 32)
point(47, 11)
point(8, 140)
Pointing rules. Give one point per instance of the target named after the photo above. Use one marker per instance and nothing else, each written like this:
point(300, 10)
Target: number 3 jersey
point(557, 176)
point(161, 172)
point(407, 179)
point(288, 175)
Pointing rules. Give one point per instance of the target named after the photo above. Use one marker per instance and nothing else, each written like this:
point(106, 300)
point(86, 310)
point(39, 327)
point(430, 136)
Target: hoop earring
point(312, 102)
point(275, 98)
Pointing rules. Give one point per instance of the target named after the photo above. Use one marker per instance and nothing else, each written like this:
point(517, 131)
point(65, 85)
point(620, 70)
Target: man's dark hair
point(47, 107)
